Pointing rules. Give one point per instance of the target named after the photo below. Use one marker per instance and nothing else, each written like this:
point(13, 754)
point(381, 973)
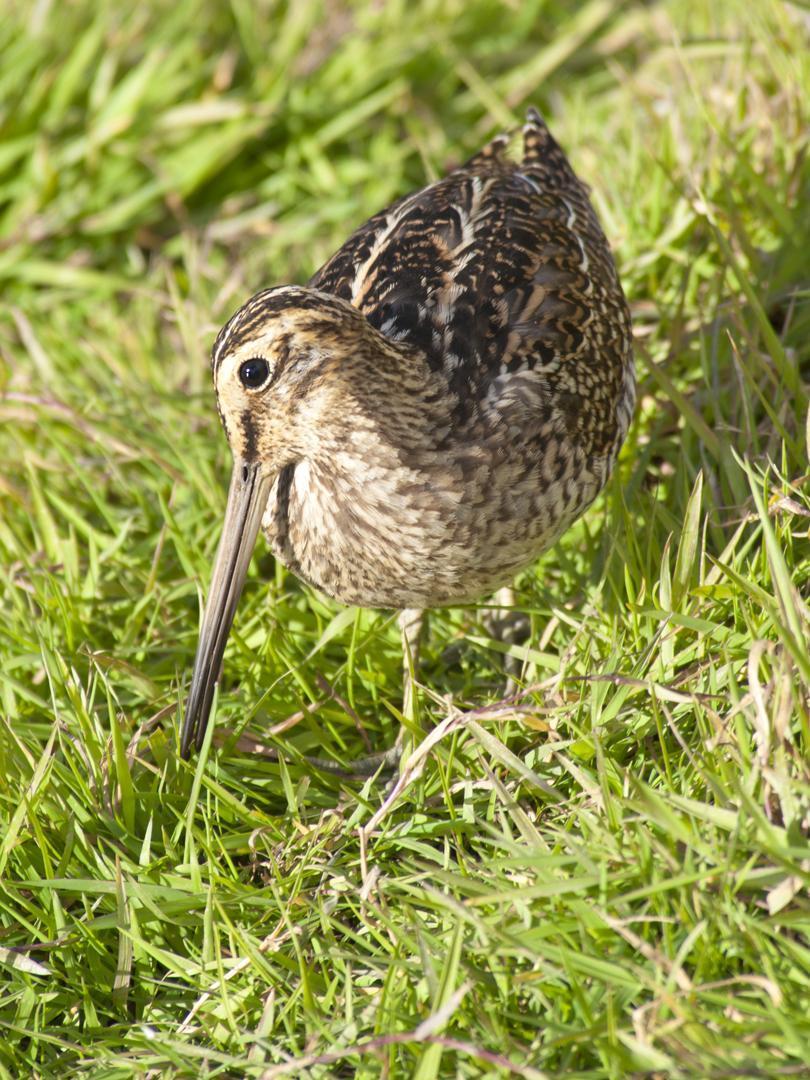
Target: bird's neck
point(383, 404)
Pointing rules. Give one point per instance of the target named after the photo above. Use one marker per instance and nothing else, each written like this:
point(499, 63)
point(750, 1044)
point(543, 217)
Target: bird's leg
point(410, 621)
point(509, 626)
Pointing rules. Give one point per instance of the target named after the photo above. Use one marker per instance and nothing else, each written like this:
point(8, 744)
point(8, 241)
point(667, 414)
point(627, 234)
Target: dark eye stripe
point(254, 373)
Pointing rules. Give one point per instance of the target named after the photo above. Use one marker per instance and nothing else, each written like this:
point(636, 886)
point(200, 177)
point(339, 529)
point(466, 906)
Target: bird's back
point(498, 270)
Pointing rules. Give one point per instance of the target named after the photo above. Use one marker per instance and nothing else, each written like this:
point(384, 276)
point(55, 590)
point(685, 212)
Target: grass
point(608, 879)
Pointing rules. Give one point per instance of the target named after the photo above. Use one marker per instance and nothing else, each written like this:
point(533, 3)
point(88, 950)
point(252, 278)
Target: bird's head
point(274, 365)
point(279, 366)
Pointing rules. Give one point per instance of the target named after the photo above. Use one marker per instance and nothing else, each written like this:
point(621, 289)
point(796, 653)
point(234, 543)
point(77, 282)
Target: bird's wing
point(499, 269)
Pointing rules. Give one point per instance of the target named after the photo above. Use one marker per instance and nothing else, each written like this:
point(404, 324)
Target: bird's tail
point(542, 153)
point(543, 156)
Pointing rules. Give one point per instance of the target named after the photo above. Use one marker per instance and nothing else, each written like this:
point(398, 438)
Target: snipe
point(440, 402)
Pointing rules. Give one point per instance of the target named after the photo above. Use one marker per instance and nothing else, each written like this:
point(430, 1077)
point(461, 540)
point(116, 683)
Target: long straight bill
point(247, 499)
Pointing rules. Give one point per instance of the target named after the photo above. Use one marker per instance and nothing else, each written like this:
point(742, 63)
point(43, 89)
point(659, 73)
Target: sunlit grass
point(605, 877)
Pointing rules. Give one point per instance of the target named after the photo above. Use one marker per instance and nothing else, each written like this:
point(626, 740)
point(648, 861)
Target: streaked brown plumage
point(425, 417)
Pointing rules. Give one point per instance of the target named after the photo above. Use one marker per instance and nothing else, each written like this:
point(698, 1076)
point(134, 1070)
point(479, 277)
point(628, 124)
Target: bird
point(434, 408)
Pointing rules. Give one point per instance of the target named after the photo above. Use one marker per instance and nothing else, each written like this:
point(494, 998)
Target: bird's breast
point(378, 533)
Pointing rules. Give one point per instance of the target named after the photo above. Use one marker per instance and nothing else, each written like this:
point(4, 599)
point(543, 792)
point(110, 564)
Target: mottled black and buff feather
point(447, 394)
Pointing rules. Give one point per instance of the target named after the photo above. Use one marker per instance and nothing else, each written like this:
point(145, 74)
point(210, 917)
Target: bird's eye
point(254, 373)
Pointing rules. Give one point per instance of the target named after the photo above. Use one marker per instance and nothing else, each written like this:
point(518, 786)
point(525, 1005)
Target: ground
point(606, 877)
